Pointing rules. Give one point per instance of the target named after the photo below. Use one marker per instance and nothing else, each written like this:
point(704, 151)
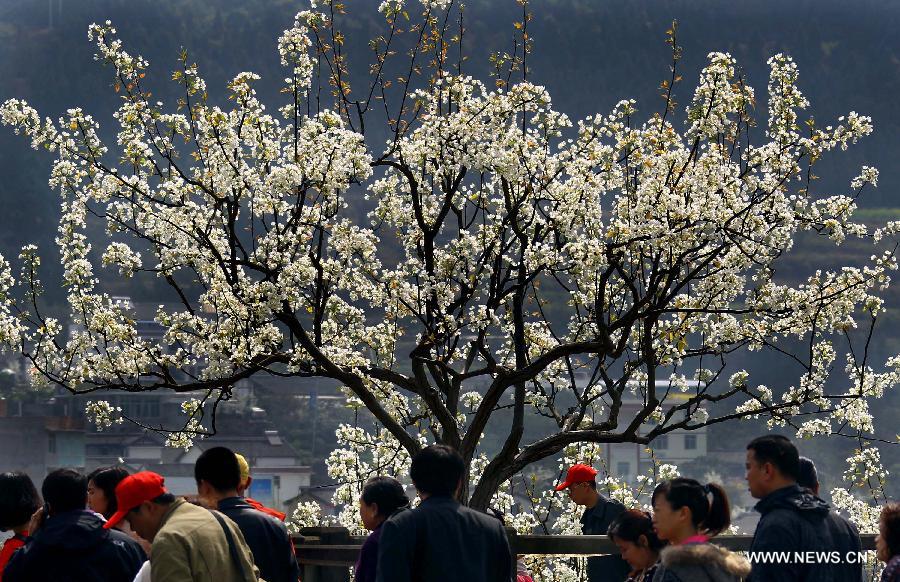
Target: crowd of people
point(114, 526)
point(798, 536)
point(119, 527)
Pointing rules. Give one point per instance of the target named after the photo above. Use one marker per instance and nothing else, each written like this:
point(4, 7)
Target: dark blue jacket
point(367, 564)
point(74, 547)
point(595, 521)
point(443, 541)
point(273, 550)
point(795, 520)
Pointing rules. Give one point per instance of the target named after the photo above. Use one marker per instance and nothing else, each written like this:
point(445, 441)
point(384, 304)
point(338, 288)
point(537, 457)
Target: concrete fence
point(326, 554)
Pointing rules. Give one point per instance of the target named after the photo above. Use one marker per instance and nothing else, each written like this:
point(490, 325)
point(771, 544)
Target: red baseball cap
point(578, 474)
point(134, 490)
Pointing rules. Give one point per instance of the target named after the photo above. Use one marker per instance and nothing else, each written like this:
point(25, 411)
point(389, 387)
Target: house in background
point(277, 474)
point(626, 461)
point(40, 433)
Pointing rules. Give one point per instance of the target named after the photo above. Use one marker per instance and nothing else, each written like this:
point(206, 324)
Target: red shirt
point(11, 545)
point(268, 510)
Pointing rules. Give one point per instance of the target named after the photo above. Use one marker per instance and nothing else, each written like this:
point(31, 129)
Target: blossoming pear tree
point(511, 259)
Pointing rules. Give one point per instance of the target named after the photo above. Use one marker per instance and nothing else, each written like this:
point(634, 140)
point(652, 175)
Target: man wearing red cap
point(598, 514)
point(188, 543)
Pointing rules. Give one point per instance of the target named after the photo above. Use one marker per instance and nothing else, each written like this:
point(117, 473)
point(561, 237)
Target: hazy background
point(589, 54)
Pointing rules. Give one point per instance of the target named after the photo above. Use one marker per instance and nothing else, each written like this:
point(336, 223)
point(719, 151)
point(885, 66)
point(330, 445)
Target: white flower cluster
point(184, 438)
point(435, 4)
point(102, 414)
point(306, 514)
point(391, 8)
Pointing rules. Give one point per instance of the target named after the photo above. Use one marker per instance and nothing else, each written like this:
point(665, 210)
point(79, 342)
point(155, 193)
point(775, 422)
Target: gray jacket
point(700, 563)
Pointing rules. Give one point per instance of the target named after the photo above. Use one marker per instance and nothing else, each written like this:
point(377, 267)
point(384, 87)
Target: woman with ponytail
point(687, 514)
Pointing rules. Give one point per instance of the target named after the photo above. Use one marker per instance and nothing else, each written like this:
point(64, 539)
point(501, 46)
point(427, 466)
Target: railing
point(327, 553)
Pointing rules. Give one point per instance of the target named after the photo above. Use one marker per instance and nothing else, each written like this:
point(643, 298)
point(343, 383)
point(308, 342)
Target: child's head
point(887, 544)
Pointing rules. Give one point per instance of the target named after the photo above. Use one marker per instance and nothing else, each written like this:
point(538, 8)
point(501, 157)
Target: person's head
point(18, 500)
point(217, 473)
point(807, 476)
point(64, 490)
point(381, 497)
point(101, 489)
point(887, 544)
point(437, 470)
point(581, 484)
point(632, 532)
point(683, 507)
point(772, 463)
point(246, 479)
point(143, 500)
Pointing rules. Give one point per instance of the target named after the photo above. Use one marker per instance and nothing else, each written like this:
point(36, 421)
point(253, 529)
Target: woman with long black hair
point(102, 484)
point(687, 515)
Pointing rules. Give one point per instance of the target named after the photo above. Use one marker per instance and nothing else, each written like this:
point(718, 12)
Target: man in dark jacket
point(441, 540)
point(814, 543)
point(70, 544)
point(218, 475)
point(598, 514)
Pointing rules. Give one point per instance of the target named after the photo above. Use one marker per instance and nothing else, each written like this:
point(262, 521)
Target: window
point(660, 443)
point(690, 442)
point(623, 469)
point(139, 406)
point(104, 450)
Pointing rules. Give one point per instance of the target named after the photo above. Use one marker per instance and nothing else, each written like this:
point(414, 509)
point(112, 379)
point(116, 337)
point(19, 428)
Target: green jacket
point(191, 547)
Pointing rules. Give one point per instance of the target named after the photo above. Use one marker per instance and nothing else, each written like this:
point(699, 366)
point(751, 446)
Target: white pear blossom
point(102, 414)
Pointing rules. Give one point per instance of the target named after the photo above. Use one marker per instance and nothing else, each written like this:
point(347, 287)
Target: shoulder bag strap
point(232, 548)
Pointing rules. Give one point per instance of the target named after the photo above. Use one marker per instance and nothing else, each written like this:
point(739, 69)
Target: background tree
point(512, 264)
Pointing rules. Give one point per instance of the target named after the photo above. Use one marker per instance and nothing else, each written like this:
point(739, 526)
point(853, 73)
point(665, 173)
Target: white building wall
point(275, 462)
point(144, 453)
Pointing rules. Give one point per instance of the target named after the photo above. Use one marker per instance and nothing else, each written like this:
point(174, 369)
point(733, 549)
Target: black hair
point(779, 451)
point(18, 499)
point(219, 467)
point(437, 470)
point(631, 525)
point(807, 476)
point(710, 517)
point(105, 479)
point(65, 490)
point(387, 493)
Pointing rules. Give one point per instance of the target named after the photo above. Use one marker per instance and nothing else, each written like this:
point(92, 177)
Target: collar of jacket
point(598, 510)
point(233, 503)
point(792, 497)
point(172, 508)
point(75, 530)
point(439, 500)
point(705, 555)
